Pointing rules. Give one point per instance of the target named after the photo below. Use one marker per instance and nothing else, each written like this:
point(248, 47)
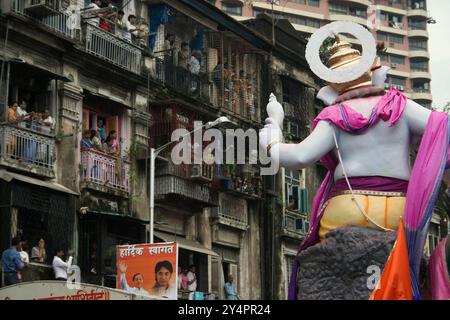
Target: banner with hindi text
point(148, 269)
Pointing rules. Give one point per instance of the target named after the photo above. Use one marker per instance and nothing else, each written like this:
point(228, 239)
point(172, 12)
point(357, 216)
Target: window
point(397, 59)
point(419, 66)
point(418, 44)
point(382, 36)
point(234, 9)
point(292, 190)
point(391, 38)
point(336, 8)
point(314, 3)
point(397, 81)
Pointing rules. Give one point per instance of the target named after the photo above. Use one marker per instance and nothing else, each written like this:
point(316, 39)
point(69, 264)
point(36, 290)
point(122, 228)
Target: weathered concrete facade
point(215, 215)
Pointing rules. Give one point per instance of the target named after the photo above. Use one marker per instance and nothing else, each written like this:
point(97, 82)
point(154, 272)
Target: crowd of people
point(38, 121)
point(187, 278)
point(15, 259)
point(130, 29)
point(97, 139)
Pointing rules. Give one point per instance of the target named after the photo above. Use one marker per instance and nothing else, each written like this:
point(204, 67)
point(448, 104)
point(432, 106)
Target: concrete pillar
point(190, 227)
point(204, 228)
point(14, 214)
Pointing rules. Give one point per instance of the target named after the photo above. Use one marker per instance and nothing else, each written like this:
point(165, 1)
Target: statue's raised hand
point(275, 110)
point(270, 133)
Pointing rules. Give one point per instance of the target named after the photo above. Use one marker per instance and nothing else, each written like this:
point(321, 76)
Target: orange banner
point(148, 269)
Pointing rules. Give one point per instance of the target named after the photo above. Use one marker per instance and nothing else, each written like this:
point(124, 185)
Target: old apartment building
point(73, 70)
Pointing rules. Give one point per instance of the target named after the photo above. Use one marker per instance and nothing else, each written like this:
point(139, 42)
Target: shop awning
point(9, 176)
point(118, 216)
point(108, 98)
point(184, 243)
point(25, 68)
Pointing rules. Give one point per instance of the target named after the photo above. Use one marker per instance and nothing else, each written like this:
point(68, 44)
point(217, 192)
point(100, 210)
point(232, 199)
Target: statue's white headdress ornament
point(341, 75)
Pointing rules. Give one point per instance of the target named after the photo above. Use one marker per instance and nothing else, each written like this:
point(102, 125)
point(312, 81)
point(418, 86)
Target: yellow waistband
point(370, 193)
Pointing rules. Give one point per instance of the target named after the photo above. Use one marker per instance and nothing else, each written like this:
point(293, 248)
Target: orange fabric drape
point(395, 281)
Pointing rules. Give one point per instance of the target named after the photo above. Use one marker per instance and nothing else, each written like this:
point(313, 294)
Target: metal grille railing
point(240, 221)
point(112, 49)
point(59, 22)
point(181, 79)
point(105, 170)
point(294, 222)
point(26, 146)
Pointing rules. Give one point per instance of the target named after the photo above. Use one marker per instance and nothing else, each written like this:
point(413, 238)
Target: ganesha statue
point(363, 138)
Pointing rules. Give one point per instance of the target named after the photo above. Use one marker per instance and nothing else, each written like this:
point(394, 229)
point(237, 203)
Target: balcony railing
point(295, 222)
point(239, 222)
point(26, 147)
point(181, 79)
point(105, 170)
point(58, 22)
point(112, 49)
point(186, 182)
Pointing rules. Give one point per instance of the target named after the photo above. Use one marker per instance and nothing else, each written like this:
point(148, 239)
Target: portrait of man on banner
point(148, 270)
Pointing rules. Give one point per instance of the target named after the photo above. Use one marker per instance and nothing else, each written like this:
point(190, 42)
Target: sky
point(439, 45)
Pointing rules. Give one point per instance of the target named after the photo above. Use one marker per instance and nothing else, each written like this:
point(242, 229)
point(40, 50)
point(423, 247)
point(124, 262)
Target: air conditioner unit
point(394, 66)
point(401, 88)
point(387, 86)
point(42, 7)
point(202, 172)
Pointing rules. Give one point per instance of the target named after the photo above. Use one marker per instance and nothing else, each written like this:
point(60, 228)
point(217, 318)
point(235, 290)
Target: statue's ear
point(379, 76)
point(328, 95)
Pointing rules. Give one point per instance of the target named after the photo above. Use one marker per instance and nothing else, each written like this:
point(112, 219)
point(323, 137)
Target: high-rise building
point(402, 28)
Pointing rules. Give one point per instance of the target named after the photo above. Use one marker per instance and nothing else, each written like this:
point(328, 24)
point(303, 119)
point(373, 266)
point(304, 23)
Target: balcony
point(421, 94)
point(415, 31)
point(30, 149)
point(46, 14)
point(181, 80)
point(418, 13)
point(110, 48)
point(420, 74)
point(239, 180)
point(362, 2)
point(342, 17)
point(295, 225)
point(418, 53)
point(185, 185)
point(234, 221)
point(103, 172)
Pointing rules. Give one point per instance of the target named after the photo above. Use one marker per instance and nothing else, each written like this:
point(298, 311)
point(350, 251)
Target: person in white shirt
point(194, 62)
point(138, 282)
point(131, 28)
point(60, 267)
point(95, 5)
point(192, 279)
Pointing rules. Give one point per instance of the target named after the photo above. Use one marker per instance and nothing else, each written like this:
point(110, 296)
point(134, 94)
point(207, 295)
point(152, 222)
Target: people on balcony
point(111, 145)
point(121, 27)
point(132, 30)
point(101, 130)
point(38, 253)
point(194, 62)
point(86, 142)
point(183, 55)
point(95, 5)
